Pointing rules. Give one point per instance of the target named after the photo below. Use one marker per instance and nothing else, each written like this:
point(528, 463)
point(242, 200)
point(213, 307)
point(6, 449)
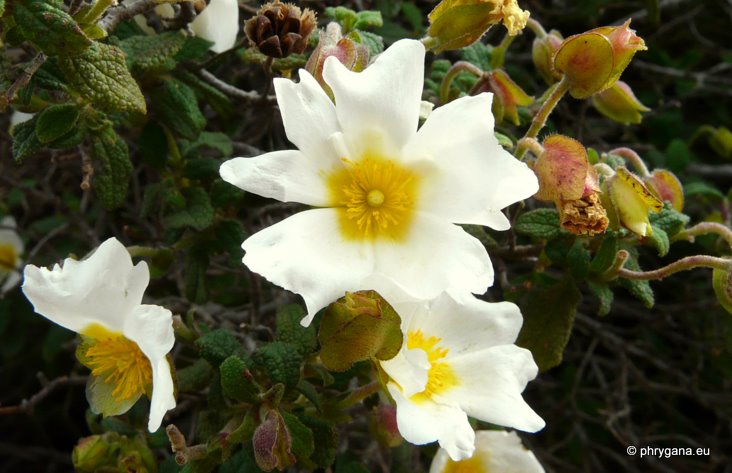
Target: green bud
point(619, 104)
point(237, 381)
point(95, 452)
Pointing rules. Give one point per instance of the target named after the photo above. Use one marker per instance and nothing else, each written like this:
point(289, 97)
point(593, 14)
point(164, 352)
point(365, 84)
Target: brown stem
point(23, 80)
point(683, 264)
point(26, 405)
point(705, 228)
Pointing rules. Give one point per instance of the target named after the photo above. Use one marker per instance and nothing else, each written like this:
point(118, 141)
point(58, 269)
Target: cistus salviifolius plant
point(459, 235)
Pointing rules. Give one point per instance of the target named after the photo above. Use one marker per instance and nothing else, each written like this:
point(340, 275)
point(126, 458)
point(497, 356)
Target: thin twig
point(231, 91)
point(26, 405)
point(23, 80)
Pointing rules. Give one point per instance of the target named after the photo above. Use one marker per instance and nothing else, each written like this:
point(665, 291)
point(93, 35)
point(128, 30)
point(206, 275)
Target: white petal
point(409, 369)
point(11, 280)
point(505, 452)
point(491, 382)
point(309, 117)
point(465, 323)
point(427, 421)
point(434, 257)
point(289, 176)
point(162, 396)
point(104, 288)
point(306, 254)
point(383, 100)
point(218, 23)
point(475, 177)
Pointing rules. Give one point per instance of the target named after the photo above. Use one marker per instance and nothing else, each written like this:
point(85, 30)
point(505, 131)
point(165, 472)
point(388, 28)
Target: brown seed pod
point(280, 29)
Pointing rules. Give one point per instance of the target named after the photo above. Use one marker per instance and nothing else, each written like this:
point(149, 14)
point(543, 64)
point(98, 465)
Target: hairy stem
point(452, 73)
point(557, 92)
point(689, 262)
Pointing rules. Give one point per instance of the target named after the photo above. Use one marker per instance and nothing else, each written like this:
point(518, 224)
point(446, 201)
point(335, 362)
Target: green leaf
point(368, 19)
point(213, 140)
point(605, 255)
point(25, 141)
point(539, 223)
point(100, 75)
point(669, 220)
point(659, 240)
point(195, 377)
point(373, 42)
point(604, 295)
point(55, 121)
point(578, 260)
point(325, 437)
point(237, 381)
point(702, 189)
point(678, 155)
point(45, 24)
point(111, 182)
point(640, 289)
point(281, 361)
point(478, 54)
point(195, 276)
point(548, 319)
point(217, 345)
point(201, 168)
point(197, 214)
point(153, 53)
point(302, 438)
point(2, 7)
point(289, 329)
point(177, 106)
point(194, 47)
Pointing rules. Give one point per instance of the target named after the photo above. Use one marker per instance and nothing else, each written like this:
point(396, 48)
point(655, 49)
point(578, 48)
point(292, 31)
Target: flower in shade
point(11, 247)
point(390, 195)
point(124, 342)
point(495, 451)
point(458, 360)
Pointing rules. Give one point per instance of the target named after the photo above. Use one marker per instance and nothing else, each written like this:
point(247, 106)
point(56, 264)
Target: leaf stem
point(359, 394)
point(452, 73)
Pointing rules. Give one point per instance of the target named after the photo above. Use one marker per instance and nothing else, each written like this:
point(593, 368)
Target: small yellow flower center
point(474, 464)
point(118, 361)
point(8, 257)
point(440, 377)
point(375, 198)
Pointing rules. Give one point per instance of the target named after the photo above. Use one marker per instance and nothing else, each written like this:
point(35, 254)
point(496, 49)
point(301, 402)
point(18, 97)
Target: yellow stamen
point(118, 361)
point(474, 464)
point(375, 197)
point(8, 257)
point(440, 377)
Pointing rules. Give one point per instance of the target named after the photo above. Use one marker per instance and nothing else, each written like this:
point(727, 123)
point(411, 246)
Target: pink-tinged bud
point(383, 426)
point(353, 55)
point(567, 179)
point(508, 96)
point(593, 61)
point(631, 201)
point(455, 24)
point(272, 443)
point(619, 104)
point(542, 52)
point(667, 187)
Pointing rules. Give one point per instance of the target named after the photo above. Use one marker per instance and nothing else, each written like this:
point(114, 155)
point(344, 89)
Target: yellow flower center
point(375, 197)
point(8, 257)
point(474, 464)
point(118, 361)
point(440, 377)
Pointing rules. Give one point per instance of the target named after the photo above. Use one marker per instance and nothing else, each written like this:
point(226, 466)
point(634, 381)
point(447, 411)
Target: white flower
point(218, 23)
point(391, 194)
point(11, 247)
point(496, 451)
point(19, 117)
point(459, 360)
point(125, 343)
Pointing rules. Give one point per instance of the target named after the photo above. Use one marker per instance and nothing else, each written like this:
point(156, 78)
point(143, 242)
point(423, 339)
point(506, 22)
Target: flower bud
point(667, 187)
point(567, 179)
point(280, 29)
point(353, 55)
point(94, 452)
point(383, 426)
point(455, 24)
point(631, 200)
point(542, 52)
point(721, 142)
point(619, 104)
point(272, 443)
point(508, 96)
point(593, 61)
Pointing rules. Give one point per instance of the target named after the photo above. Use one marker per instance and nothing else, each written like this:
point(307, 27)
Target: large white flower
point(391, 194)
point(496, 451)
point(125, 342)
point(459, 360)
point(11, 247)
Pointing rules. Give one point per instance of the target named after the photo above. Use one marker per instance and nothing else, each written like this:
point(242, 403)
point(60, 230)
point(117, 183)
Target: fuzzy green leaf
point(111, 182)
point(195, 276)
point(197, 214)
point(669, 220)
point(177, 106)
point(659, 240)
point(153, 53)
point(640, 289)
point(302, 437)
point(281, 361)
point(548, 319)
point(45, 24)
point(605, 255)
point(289, 329)
point(25, 141)
point(217, 345)
point(100, 75)
point(194, 377)
point(604, 295)
point(55, 121)
point(237, 381)
point(325, 436)
point(539, 223)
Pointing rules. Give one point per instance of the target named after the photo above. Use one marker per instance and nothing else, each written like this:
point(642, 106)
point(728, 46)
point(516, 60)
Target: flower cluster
point(388, 200)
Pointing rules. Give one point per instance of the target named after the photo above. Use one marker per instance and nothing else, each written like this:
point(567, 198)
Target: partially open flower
point(354, 56)
point(632, 201)
point(496, 451)
point(666, 186)
point(567, 179)
point(593, 61)
point(11, 247)
point(124, 342)
point(455, 24)
point(619, 104)
point(542, 53)
point(280, 29)
point(459, 360)
point(508, 95)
